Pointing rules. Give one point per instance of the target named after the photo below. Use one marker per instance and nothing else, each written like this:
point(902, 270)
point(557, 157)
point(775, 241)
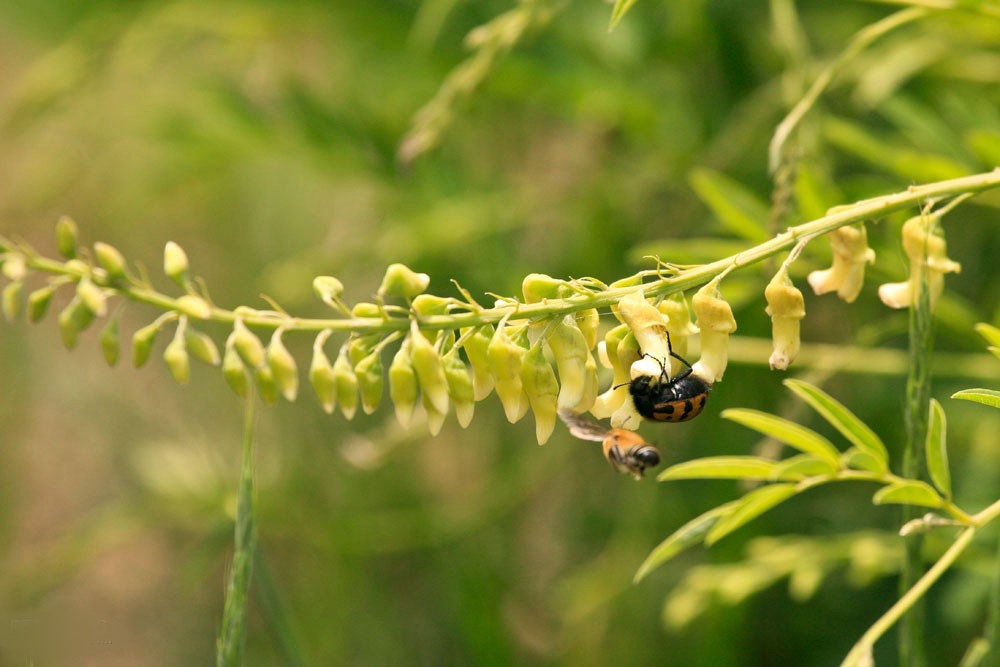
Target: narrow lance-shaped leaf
point(842, 419)
point(691, 533)
point(720, 467)
point(783, 430)
point(937, 449)
point(618, 12)
point(909, 492)
point(985, 396)
point(749, 507)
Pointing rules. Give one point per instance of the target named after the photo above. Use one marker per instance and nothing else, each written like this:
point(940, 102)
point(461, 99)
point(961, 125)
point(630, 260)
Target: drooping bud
point(476, 346)
point(38, 302)
point(14, 267)
point(589, 321)
point(649, 326)
point(266, 384)
point(679, 326)
point(429, 369)
point(505, 357)
point(110, 259)
point(619, 337)
point(249, 347)
point(175, 264)
point(538, 287)
point(201, 346)
point(403, 388)
point(234, 371)
point(786, 307)
point(428, 305)
point(628, 352)
point(542, 390)
point(346, 382)
point(850, 255)
point(402, 281)
point(283, 366)
point(435, 419)
point(92, 297)
point(371, 381)
point(142, 343)
point(12, 298)
point(590, 384)
point(176, 356)
point(716, 321)
point(569, 348)
point(111, 340)
point(72, 320)
point(924, 243)
point(66, 237)
point(194, 307)
point(321, 375)
point(460, 388)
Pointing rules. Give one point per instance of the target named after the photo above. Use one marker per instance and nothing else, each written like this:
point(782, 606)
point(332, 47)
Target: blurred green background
point(262, 137)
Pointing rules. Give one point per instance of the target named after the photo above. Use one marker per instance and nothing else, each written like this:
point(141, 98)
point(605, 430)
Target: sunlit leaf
point(801, 467)
point(720, 467)
point(977, 653)
point(618, 12)
point(738, 208)
point(691, 533)
point(843, 420)
point(858, 460)
point(748, 508)
point(786, 431)
point(910, 492)
point(985, 396)
point(937, 449)
point(989, 332)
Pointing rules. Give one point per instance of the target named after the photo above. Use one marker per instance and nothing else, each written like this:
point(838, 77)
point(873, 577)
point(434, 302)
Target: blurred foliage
point(264, 136)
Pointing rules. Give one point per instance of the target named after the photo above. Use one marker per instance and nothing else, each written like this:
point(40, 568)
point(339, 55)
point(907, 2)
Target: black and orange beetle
point(670, 399)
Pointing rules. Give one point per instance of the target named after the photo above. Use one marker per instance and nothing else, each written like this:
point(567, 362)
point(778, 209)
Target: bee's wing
point(582, 426)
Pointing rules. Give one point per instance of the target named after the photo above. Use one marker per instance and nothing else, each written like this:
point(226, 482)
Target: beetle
point(670, 399)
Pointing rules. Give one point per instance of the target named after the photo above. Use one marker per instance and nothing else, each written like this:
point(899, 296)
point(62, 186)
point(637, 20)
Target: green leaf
point(618, 12)
point(984, 396)
point(989, 332)
point(802, 467)
point(691, 533)
point(738, 208)
point(843, 420)
point(910, 492)
point(786, 431)
point(859, 460)
point(720, 467)
point(937, 449)
point(748, 508)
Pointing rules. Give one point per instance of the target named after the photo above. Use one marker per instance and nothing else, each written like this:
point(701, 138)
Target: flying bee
point(625, 450)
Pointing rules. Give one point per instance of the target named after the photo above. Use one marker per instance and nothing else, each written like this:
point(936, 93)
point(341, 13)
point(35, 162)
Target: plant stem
point(232, 634)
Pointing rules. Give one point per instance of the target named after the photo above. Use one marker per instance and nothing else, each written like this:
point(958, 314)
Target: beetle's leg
point(670, 349)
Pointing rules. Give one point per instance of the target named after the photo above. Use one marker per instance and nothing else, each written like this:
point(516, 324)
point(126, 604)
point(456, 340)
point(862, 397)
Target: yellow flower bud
point(194, 306)
point(66, 237)
point(266, 384)
point(850, 255)
point(429, 369)
point(427, 305)
point(175, 264)
point(176, 356)
point(569, 348)
point(201, 346)
point(38, 302)
point(476, 347)
point(142, 343)
point(110, 339)
point(329, 290)
point(321, 374)
point(14, 267)
point(786, 307)
point(282, 364)
point(505, 357)
point(402, 281)
point(618, 337)
point(679, 326)
point(249, 347)
point(92, 297)
point(921, 234)
point(628, 353)
point(460, 387)
point(234, 371)
point(539, 381)
point(538, 287)
point(72, 320)
point(590, 384)
point(716, 322)
point(12, 294)
point(403, 387)
point(589, 321)
point(435, 419)
point(371, 381)
point(347, 384)
point(110, 260)
point(649, 326)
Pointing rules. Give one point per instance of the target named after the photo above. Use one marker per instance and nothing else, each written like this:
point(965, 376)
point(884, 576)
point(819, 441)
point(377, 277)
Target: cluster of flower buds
point(850, 255)
point(924, 244)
